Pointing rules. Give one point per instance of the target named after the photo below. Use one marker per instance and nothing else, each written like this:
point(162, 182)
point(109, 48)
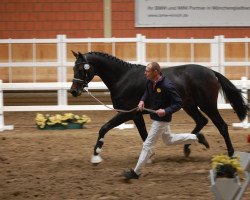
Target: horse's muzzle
point(77, 88)
point(75, 93)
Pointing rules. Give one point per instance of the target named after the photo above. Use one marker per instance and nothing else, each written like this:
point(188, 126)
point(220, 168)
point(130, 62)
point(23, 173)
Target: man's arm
point(176, 102)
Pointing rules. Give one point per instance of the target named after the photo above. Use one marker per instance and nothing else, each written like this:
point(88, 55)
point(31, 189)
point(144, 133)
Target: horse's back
point(191, 71)
point(194, 82)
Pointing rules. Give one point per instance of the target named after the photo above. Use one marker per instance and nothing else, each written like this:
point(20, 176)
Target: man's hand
point(161, 112)
point(141, 105)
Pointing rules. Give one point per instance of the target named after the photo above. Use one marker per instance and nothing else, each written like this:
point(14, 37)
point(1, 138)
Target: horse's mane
point(114, 59)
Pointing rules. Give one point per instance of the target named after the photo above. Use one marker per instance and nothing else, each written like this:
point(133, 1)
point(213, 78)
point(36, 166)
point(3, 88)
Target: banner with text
point(192, 13)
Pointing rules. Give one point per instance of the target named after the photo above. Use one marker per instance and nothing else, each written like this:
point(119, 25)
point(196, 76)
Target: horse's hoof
point(187, 151)
point(95, 160)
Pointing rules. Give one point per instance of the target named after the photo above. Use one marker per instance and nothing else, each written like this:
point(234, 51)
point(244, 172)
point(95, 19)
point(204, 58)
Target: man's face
point(150, 74)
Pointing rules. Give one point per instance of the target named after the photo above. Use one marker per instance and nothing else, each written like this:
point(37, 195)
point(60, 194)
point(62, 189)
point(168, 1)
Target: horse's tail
point(233, 95)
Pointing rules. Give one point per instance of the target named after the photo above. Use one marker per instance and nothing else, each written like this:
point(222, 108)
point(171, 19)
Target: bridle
point(86, 67)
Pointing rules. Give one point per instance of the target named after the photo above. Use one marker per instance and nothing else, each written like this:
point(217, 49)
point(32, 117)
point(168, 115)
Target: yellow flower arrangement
point(49, 120)
point(225, 166)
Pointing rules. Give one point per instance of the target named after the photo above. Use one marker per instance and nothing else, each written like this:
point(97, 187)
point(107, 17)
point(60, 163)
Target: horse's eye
point(80, 67)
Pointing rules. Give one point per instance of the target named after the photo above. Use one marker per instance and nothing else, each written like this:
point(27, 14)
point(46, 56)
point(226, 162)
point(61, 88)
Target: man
point(161, 96)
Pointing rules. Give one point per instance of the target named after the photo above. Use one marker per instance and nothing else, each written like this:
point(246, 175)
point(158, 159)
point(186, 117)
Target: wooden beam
point(107, 19)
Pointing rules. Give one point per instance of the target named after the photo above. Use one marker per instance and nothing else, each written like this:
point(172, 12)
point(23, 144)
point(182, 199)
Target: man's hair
point(155, 66)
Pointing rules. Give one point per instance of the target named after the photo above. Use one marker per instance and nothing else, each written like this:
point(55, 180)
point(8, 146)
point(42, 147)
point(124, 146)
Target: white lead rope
point(118, 110)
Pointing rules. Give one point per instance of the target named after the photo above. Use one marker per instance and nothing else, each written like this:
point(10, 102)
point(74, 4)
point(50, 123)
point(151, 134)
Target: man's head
point(153, 71)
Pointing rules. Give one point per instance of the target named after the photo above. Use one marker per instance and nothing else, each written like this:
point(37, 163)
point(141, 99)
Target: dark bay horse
point(198, 86)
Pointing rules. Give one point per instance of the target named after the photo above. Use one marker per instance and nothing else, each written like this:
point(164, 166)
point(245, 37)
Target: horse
point(197, 85)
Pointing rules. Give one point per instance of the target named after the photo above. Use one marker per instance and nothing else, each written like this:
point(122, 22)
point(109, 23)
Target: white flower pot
point(224, 188)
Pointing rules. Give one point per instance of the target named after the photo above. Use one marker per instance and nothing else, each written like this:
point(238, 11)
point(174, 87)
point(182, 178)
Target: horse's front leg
point(115, 121)
point(140, 125)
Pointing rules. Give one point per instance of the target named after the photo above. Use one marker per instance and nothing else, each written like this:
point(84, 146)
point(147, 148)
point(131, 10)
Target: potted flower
point(226, 167)
point(60, 122)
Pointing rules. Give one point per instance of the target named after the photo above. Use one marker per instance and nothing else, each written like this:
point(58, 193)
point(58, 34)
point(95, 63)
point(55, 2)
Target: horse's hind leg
point(115, 121)
point(200, 121)
point(221, 125)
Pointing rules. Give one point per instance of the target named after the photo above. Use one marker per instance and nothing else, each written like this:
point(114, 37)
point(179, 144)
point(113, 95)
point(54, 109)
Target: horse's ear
point(74, 53)
point(80, 54)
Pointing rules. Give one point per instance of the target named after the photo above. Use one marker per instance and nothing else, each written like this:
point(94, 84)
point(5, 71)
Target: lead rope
point(118, 110)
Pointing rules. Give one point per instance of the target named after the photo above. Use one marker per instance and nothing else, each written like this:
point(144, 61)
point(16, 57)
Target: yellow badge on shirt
point(158, 90)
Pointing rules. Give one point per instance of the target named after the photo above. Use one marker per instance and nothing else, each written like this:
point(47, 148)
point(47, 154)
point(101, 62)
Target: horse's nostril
point(73, 92)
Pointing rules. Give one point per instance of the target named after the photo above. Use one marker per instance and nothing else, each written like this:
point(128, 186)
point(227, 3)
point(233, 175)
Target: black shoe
point(202, 140)
point(130, 174)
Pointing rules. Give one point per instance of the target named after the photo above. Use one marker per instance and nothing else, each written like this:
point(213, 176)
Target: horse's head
point(83, 74)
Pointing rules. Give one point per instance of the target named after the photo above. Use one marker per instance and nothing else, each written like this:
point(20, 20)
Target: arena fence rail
point(218, 59)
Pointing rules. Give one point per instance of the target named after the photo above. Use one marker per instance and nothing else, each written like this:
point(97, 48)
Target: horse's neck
point(110, 73)
point(111, 78)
